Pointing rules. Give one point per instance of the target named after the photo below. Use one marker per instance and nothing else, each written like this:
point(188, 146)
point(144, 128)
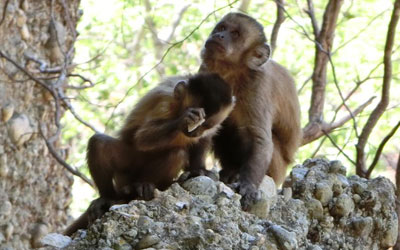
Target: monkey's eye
point(235, 34)
point(221, 28)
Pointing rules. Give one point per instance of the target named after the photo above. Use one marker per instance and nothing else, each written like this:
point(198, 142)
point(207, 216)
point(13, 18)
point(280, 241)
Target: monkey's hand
point(97, 208)
point(250, 195)
point(192, 119)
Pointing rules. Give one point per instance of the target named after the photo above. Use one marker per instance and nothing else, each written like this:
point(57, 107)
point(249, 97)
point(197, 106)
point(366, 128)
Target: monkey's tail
point(81, 223)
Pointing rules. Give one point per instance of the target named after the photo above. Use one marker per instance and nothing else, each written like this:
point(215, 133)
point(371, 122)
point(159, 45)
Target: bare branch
point(314, 22)
point(304, 84)
point(384, 102)
point(280, 18)
point(340, 149)
point(244, 6)
point(325, 39)
point(44, 85)
point(84, 79)
point(61, 161)
point(351, 114)
point(177, 22)
point(313, 131)
point(341, 95)
point(380, 149)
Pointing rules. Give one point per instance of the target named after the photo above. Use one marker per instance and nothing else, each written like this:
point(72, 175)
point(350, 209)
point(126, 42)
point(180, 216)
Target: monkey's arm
point(254, 169)
point(163, 133)
point(81, 223)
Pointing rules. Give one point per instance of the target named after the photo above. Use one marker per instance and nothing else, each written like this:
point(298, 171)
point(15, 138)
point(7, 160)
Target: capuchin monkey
point(152, 146)
point(263, 132)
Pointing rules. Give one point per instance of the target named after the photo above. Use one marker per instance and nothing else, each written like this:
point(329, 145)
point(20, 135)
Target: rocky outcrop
point(318, 208)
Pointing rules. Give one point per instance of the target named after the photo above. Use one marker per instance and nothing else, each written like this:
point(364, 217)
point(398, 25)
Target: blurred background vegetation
point(126, 47)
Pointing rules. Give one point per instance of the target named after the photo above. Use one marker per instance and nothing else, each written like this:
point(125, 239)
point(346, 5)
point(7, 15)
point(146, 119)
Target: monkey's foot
point(250, 195)
point(144, 190)
point(97, 208)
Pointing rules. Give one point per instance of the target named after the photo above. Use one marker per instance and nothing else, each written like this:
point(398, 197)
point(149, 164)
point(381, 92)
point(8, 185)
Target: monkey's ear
point(259, 56)
point(180, 90)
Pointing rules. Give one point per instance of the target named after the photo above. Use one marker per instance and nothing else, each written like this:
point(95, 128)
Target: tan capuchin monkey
point(152, 146)
point(263, 132)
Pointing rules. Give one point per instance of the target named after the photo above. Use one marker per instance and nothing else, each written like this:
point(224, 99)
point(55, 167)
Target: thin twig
point(380, 149)
point(341, 95)
point(84, 79)
point(360, 32)
point(280, 18)
point(340, 150)
point(304, 84)
point(311, 14)
point(44, 85)
point(61, 161)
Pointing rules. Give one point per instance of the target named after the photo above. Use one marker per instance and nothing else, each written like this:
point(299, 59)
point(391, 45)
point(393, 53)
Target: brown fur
point(152, 147)
point(263, 132)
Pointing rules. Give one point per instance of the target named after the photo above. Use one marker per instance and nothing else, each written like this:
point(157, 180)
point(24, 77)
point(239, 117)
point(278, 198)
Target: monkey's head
point(237, 40)
point(209, 92)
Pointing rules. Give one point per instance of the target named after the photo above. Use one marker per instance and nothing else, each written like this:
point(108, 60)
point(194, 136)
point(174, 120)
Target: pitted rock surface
point(319, 208)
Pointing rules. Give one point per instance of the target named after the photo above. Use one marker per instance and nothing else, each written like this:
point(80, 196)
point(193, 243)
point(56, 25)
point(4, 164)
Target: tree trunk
point(34, 190)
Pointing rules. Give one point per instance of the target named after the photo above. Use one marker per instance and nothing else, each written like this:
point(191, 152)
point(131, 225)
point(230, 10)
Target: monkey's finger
point(193, 117)
point(202, 113)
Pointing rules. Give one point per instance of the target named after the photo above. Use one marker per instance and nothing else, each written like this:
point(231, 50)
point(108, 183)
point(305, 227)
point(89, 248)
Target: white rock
point(56, 240)
point(20, 130)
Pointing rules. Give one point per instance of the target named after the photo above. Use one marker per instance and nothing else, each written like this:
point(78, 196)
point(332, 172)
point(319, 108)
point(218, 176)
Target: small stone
point(337, 189)
point(356, 198)
point(181, 205)
point(390, 236)
point(5, 208)
point(20, 130)
point(298, 173)
point(3, 166)
point(323, 193)
point(144, 222)
point(287, 193)
point(362, 226)
point(148, 241)
point(314, 247)
point(337, 167)
point(201, 185)
point(359, 187)
point(224, 189)
point(21, 18)
point(7, 112)
point(287, 240)
point(25, 34)
point(39, 231)
point(343, 206)
point(9, 230)
point(315, 209)
point(56, 240)
point(268, 198)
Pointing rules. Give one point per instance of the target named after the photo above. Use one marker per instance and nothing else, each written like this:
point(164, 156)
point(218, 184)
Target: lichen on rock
point(318, 208)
